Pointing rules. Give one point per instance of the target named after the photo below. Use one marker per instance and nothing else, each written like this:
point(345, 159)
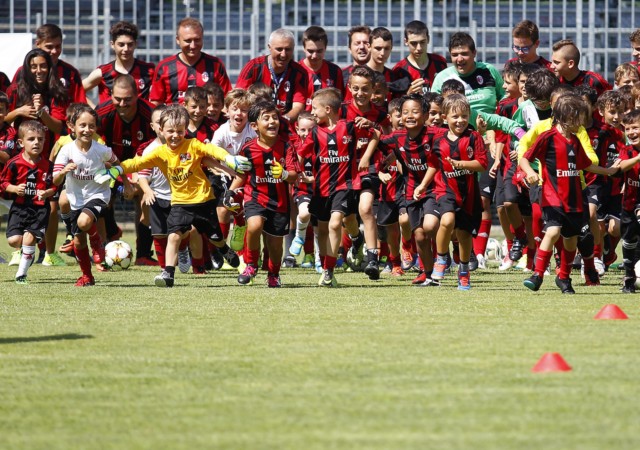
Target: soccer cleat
point(591, 278)
point(354, 257)
point(145, 261)
point(232, 258)
point(482, 262)
point(522, 264)
point(429, 282)
point(421, 278)
point(318, 267)
point(609, 259)
point(307, 262)
point(289, 262)
point(439, 268)
point(237, 237)
point(85, 280)
point(599, 266)
point(53, 259)
point(164, 279)
point(15, 258)
point(464, 282)
point(407, 260)
point(184, 260)
point(473, 262)
point(217, 260)
point(372, 270)
point(533, 282)
point(247, 275)
point(516, 249)
point(22, 279)
point(199, 270)
point(506, 264)
point(67, 246)
point(327, 279)
point(629, 286)
point(565, 285)
point(296, 246)
point(386, 270)
point(397, 271)
point(273, 281)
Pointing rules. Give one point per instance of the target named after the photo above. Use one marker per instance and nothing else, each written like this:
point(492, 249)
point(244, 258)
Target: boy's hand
point(149, 197)
point(384, 177)
point(278, 171)
point(238, 163)
point(107, 175)
point(532, 178)
point(418, 191)
point(20, 189)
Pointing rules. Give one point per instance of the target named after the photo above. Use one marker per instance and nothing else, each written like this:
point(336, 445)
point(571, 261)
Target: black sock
point(171, 270)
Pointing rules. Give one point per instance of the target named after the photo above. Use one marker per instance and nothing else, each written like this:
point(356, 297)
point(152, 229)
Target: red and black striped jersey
point(393, 190)
point(260, 185)
point(4, 82)
point(36, 177)
point(8, 140)
point(292, 87)
point(414, 154)
point(631, 180)
point(124, 138)
point(349, 111)
point(173, 77)
point(404, 73)
point(305, 166)
point(329, 75)
point(388, 76)
point(333, 155)
point(542, 62)
point(204, 133)
point(70, 79)
point(561, 161)
point(592, 79)
point(459, 184)
point(506, 108)
point(606, 141)
point(141, 71)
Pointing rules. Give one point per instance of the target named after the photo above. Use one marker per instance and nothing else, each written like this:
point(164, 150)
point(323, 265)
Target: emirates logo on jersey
point(184, 157)
point(479, 79)
point(470, 152)
point(205, 76)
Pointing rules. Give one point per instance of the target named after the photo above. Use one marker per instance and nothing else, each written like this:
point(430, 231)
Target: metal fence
point(236, 31)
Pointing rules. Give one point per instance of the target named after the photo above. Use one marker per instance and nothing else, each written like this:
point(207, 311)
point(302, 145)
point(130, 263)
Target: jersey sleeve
point(157, 92)
point(583, 137)
point(480, 150)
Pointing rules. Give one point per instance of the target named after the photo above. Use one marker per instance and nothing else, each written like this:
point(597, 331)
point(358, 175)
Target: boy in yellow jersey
point(192, 200)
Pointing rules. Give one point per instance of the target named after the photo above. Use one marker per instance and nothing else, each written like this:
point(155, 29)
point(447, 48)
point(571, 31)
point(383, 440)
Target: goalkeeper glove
point(278, 171)
point(229, 201)
point(108, 175)
point(238, 163)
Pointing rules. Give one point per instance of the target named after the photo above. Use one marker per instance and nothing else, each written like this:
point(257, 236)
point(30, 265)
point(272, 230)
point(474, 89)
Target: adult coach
point(277, 69)
point(191, 67)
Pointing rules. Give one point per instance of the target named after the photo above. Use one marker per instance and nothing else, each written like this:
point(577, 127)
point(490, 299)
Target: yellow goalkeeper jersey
point(183, 169)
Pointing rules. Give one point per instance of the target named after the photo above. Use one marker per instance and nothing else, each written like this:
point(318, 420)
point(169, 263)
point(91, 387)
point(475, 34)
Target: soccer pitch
point(371, 365)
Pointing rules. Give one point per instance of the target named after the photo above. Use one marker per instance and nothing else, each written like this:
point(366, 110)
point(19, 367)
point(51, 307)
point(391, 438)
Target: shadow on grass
point(54, 337)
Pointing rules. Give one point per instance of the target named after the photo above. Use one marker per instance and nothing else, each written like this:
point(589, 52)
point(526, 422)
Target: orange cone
point(551, 362)
point(611, 312)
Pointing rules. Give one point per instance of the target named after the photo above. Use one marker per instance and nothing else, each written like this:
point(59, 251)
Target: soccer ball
point(494, 250)
point(118, 255)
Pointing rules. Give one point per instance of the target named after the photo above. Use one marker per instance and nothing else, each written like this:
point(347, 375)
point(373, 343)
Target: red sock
point(589, 264)
point(531, 257)
point(384, 249)
point(224, 227)
point(184, 243)
point(520, 232)
point(394, 261)
point(309, 241)
point(84, 260)
point(329, 262)
point(542, 261)
point(480, 241)
point(252, 257)
point(160, 244)
point(406, 245)
point(322, 258)
point(346, 242)
point(414, 246)
point(597, 251)
point(538, 223)
point(274, 267)
point(509, 244)
point(566, 263)
point(197, 264)
point(239, 220)
point(94, 237)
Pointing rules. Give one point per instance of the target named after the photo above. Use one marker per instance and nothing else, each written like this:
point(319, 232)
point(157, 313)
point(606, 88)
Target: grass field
point(384, 365)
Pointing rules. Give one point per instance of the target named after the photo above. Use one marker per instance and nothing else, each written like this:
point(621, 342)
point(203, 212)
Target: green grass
point(210, 364)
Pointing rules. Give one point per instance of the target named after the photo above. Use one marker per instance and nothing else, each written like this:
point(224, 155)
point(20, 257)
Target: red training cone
point(611, 312)
point(551, 362)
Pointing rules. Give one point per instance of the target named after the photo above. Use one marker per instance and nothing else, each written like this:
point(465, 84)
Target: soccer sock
point(520, 232)
point(224, 227)
point(66, 219)
point(628, 257)
point(542, 261)
point(585, 244)
point(566, 263)
point(84, 260)
point(144, 240)
point(287, 242)
point(239, 220)
point(171, 270)
point(464, 267)
point(301, 228)
point(372, 255)
point(531, 257)
point(480, 241)
point(329, 262)
point(589, 263)
point(274, 267)
point(308, 241)
point(537, 225)
point(184, 243)
point(406, 245)
point(94, 237)
point(252, 257)
point(597, 251)
point(394, 261)
point(384, 249)
point(28, 251)
point(509, 245)
point(160, 244)
point(197, 264)
point(357, 241)
point(347, 242)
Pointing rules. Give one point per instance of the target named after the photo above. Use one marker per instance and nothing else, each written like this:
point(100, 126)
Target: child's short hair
point(259, 108)
point(461, 39)
point(80, 109)
point(362, 71)
point(415, 27)
point(635, 91)
point(526, 29)
point(159, 109)
point(175, 114)
point(4, 100)
point(378, 78)
point(587, 92)
point(330, 97)
point(627, 96)
point(529, 68)
point(315, 34)
point(569, 50)
point(238, 96)
point(71, 110)
point(306, 115)
point(48, 31)
point(195, 93)
point(214, 90)
point(540, 85)
point(634, 37)
point(631, 117)
point(358, 29)
point(456, 103)
point(563, 89)
point(261, 91)
point(570, 110)
point(512, 69)
point(434, 97)
point(31, 125)
point(124, 28)
point(416, 98)
point(382, 33)
point(625, 69)
point(395, 105)
point(452, 86)
point(611, 99)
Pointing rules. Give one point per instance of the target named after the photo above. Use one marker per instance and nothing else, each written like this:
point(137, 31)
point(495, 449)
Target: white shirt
point(231, 141)
point(157, 181)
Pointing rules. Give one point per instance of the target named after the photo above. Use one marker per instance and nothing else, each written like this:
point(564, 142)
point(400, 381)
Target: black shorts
point(301, 197)
point(341, 201)
point(96, 208)
point(33, 219)
point(464, 221)
point(417, 211)
point(535, 193)
point(275, 223)
point(498, 195)
point(611, 208)
point(486, 182)
point(389, 212)
point(201, 215)
point(371, 183)
point(570, 224)
point(159, 216)
point(629, 226)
